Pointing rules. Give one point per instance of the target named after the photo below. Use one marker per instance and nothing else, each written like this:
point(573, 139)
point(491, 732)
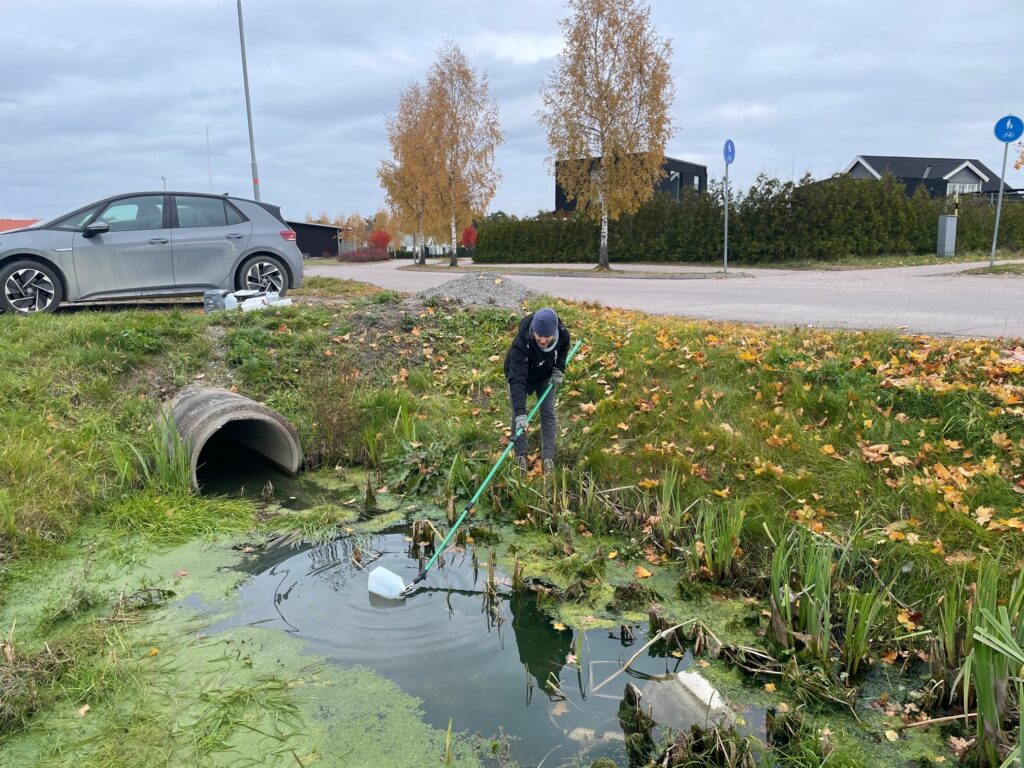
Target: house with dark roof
point(679, 176)
point(940, 176)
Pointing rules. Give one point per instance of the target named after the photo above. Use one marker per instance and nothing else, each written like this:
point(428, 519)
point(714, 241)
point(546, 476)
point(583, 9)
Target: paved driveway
point(931, 299)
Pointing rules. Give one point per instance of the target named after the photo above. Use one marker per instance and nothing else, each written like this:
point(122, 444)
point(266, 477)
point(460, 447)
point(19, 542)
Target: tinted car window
point(75, 221)
point(200, 212)
point(132, 213)
point(234, 216)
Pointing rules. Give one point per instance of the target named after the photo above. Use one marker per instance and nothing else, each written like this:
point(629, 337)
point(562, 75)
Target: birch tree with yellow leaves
point(606, 109)
point(466, 131)
point(411, 178)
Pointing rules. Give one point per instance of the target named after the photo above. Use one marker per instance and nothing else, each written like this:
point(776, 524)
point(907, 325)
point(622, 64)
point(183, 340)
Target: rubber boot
point(549, 466)
point(523, 463)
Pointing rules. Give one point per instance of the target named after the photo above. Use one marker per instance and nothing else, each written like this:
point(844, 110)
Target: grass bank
point(997, 269)
point(853, 488)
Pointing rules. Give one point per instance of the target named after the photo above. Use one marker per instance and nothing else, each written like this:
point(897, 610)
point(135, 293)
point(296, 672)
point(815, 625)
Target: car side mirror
point(96, 228)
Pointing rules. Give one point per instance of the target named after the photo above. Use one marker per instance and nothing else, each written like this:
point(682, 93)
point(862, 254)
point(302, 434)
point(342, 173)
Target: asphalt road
point(934, 300)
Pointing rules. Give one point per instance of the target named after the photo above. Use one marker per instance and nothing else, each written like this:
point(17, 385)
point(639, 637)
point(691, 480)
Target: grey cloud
point(109, 95)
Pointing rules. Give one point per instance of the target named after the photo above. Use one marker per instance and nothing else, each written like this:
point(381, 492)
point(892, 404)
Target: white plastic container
point(386, 584)
point(230, 302)
point(256, 302)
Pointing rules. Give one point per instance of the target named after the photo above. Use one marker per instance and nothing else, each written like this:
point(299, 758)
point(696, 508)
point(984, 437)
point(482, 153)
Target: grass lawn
point(998, 269)
point(861, 493)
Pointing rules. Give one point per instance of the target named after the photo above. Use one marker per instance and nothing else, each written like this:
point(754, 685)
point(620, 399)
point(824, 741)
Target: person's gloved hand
point(556, 377)
point(521, 424)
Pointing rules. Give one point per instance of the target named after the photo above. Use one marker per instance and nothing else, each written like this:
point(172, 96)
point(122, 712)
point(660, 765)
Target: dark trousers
point(548, 425)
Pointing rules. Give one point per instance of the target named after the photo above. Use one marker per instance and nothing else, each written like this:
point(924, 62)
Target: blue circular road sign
point(1009, 128)
point(730, 151)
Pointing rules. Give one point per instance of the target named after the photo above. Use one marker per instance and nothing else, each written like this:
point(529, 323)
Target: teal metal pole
point(490, 476)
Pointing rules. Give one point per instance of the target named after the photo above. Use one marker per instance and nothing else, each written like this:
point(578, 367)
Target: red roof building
point(9, 224)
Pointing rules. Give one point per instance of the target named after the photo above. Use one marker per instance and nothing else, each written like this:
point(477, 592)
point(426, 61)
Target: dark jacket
point(527, 365)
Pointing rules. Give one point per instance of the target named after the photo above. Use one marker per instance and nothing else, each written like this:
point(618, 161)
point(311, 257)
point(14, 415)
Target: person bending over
point(537, 357)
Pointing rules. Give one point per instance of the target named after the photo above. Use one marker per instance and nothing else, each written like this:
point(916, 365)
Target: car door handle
point(158, 241)
point(234, 236)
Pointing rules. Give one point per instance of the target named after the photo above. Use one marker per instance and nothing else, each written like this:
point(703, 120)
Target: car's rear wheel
point(28, 287)
point(262, 273)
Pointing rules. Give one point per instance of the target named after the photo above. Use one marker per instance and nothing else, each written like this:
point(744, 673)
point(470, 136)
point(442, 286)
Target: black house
point(316, 240)
point(679, 175)
point(941, 176)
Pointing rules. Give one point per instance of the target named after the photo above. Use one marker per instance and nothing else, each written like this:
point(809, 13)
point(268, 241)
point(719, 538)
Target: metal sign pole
point(1008, 129)
point(999, 207)
point(729, 153)
point(725, 250)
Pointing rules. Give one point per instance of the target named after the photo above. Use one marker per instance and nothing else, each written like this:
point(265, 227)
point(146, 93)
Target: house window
point(696, 183)
point(962, 188)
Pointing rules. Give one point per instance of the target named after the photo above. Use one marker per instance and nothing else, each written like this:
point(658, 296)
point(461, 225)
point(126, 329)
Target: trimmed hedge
point(772, 221)
point(364, 255)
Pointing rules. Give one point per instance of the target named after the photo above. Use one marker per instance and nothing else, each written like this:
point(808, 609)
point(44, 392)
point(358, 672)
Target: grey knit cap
point(545, 322)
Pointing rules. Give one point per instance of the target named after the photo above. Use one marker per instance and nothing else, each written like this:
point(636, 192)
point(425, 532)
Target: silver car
point(148, 244)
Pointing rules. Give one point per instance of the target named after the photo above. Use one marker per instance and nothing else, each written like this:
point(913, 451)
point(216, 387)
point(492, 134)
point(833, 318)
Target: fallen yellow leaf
point(641, 573)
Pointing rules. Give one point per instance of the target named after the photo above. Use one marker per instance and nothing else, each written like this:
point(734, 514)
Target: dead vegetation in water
point(24, 678)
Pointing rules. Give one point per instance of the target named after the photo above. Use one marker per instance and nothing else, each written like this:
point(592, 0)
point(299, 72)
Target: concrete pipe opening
point(234, 441)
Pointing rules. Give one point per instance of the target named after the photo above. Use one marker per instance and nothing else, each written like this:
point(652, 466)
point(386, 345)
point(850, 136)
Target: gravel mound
point(488, 290)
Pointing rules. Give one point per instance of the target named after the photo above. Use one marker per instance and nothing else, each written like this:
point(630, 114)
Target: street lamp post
point(248, 107)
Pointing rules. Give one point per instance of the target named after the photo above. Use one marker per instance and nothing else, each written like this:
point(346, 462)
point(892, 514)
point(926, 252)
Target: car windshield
point(73, 221)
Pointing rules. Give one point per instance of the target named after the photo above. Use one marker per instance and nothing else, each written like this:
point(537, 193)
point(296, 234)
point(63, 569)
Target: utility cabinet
point(947, 236)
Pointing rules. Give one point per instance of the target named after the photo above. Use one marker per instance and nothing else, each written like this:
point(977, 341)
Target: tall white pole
point(248, 108)
point(999, 206)
point(209, 161)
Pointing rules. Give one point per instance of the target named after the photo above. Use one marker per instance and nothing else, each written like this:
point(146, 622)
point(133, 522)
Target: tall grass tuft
point(169, 466)
point(330, 391)
point(716, 549)
point(8, 518)
point(801, 592)
point(953, 640)
point(862, 609)
point(782, 598)
point(993, 666)
point(813, 561)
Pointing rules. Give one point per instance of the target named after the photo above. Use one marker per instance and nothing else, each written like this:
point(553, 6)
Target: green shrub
point(771, 221)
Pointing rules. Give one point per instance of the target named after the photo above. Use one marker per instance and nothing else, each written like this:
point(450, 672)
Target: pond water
point(492, 662)
point(495, 665)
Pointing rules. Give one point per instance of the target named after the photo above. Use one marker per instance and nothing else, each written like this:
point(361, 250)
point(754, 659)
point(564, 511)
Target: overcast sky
point(108, 96)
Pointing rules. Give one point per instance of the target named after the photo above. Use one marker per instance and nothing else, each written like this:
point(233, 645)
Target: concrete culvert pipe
point(213, 422)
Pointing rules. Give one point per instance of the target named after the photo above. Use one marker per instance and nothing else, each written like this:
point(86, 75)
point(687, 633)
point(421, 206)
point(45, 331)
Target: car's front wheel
point(262, 273)
point(27, 287)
